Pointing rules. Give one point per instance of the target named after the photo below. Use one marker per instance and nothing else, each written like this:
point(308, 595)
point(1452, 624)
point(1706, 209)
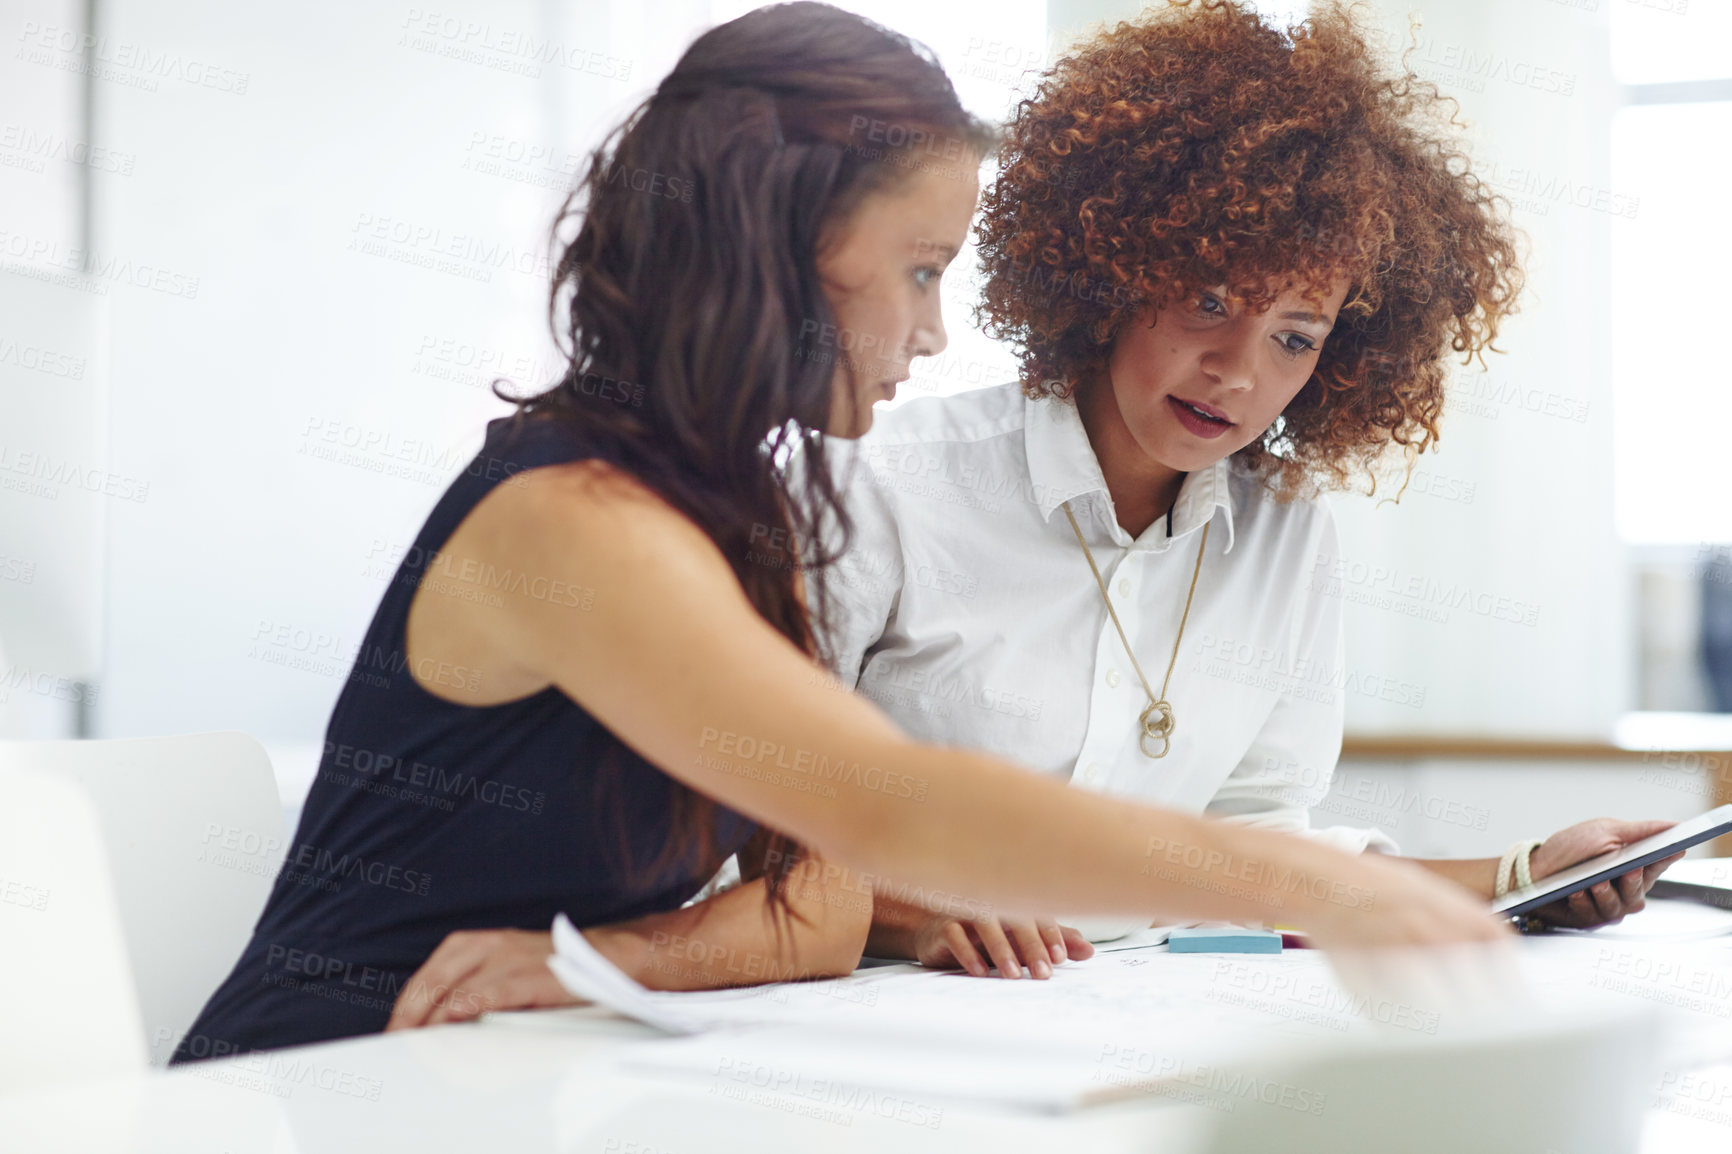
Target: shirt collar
point(1062, 466)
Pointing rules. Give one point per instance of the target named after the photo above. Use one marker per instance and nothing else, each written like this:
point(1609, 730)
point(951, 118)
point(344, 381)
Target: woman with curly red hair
point(1233, 260)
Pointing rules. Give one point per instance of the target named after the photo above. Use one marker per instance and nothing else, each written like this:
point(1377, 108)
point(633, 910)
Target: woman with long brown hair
point(607, 613)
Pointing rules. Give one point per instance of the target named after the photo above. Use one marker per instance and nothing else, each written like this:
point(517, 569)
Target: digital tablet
point(1610, 865)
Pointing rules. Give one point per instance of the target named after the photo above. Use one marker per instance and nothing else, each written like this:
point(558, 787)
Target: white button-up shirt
point(966, 610)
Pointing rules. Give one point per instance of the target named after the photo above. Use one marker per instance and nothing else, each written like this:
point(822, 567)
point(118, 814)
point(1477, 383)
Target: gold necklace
point(1157, 720)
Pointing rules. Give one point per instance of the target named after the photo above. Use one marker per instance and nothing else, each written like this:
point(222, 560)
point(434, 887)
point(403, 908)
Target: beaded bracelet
point(1514, 869)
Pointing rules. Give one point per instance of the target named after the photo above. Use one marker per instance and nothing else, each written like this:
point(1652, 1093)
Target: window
point(1672, 388)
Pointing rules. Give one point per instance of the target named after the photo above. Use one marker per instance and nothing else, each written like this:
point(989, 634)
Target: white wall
point(1455, 809)
point(239, 589)
point(1517, 505)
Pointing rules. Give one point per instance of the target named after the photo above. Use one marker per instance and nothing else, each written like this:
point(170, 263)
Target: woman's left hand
point(1606, 902)
point(474, 971)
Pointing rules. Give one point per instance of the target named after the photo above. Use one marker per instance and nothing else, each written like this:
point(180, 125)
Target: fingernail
point(1014, 971)
point(1040, 969)
point(1058, 954)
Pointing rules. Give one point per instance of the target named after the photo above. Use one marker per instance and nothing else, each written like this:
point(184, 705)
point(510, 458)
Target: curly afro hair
point(1200, 146)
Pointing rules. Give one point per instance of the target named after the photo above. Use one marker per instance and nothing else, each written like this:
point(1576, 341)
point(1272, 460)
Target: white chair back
point(148, 862)
point(70, 1009)
point(1535, 1083)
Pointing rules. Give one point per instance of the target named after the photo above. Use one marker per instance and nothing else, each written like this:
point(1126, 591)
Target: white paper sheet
point(1127, 1022)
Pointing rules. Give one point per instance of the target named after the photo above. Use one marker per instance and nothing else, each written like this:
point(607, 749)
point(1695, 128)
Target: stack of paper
point(1133, 1021)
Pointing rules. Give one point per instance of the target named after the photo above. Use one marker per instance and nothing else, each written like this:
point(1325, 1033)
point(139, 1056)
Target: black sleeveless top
point(428, 817)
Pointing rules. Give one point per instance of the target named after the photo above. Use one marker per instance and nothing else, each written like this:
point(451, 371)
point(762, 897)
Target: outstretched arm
point(670, 655)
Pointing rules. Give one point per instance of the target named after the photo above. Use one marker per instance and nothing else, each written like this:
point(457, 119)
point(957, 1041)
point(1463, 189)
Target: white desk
point(491, 1087)
point(538, 1085)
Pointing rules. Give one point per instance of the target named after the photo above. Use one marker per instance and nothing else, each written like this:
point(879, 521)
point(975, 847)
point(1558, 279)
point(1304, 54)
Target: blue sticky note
point(1223, 940)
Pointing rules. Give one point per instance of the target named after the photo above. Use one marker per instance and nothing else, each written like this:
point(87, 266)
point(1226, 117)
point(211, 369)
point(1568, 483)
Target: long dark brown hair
point(689, 302)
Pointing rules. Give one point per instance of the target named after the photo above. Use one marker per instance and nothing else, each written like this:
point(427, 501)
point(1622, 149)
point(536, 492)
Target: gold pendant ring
point(1157, 722)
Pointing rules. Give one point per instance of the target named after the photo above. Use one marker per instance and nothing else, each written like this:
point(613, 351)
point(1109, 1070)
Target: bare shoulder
point(591, 515)
point(557, 558)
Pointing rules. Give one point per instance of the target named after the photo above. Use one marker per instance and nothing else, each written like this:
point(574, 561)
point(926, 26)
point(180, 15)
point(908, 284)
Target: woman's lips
point(1200, 419)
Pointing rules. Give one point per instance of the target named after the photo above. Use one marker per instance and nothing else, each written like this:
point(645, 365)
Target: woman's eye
point(1210, 304)
point(1296, 344)
point(927, 275)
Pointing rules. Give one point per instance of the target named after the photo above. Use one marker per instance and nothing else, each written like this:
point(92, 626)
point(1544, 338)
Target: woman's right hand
point(1393, 904)
point(1422, 950)
point(1013, 945)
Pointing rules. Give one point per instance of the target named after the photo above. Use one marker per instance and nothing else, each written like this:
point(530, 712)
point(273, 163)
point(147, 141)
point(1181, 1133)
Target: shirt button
point(1093, 771)
point(1113, 678)
point(1124, 587)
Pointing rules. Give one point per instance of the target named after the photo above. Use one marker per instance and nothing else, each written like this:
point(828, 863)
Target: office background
point(259, 266)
